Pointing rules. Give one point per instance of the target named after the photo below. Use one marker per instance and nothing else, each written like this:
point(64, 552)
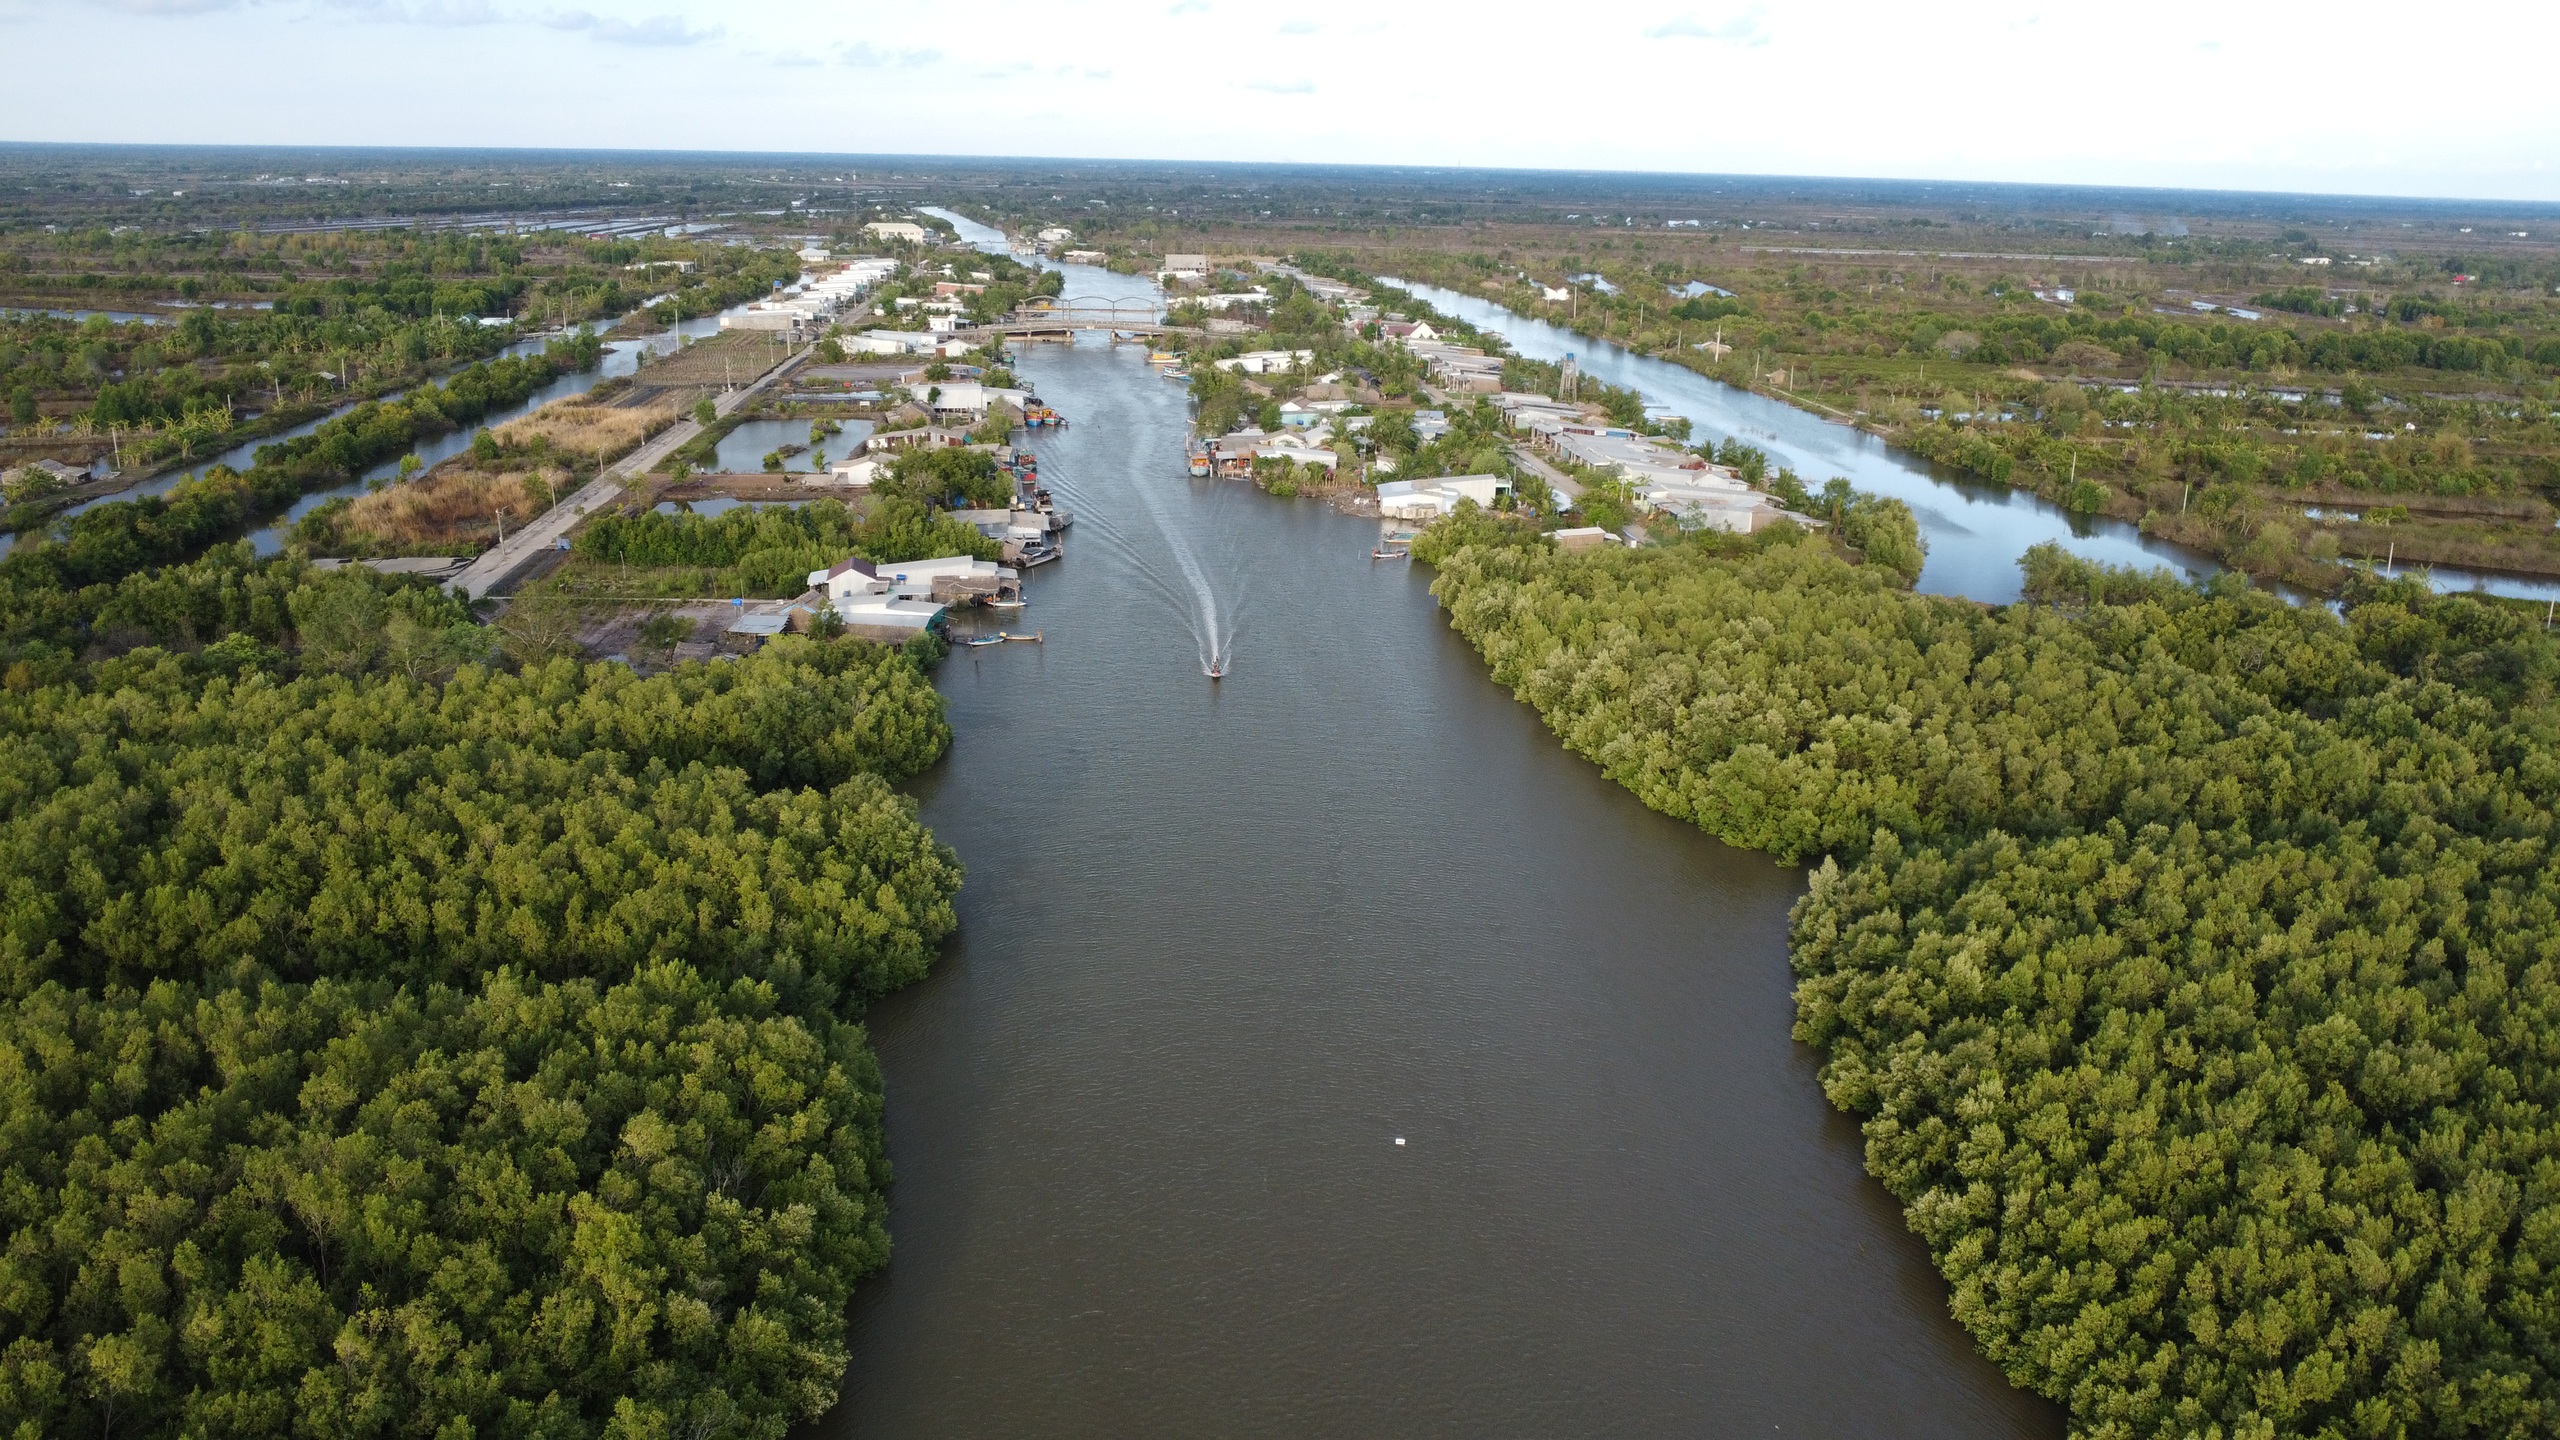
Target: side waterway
point(1224, 947)
point(621, 357)
point(1976, 532)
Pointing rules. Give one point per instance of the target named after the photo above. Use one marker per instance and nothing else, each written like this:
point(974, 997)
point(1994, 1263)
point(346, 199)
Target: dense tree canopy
point(387, 1058)
point(2188, 957)
point(771, 551)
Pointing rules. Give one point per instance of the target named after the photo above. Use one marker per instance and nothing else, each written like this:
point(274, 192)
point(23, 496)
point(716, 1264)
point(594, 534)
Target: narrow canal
point(1222, 947)
point(1975, 532)
point(621, 357)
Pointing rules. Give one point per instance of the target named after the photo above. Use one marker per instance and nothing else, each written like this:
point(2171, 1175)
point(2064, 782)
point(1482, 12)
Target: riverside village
point(856, 451)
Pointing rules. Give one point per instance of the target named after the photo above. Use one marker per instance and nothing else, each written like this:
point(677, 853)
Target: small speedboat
point(1383, 553)
point(1217, 669)
point(1005, 604)
point(1032, 638)
point(977, 640)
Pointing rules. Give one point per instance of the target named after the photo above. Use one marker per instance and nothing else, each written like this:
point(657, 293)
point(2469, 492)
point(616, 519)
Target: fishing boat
point(1006, 604)
point(1383, 553)
point(1032, 639)
point(974, 641)
point(1199, 462)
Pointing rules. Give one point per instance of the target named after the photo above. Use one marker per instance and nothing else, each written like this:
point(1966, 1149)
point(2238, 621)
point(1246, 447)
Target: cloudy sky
point(2347, 97)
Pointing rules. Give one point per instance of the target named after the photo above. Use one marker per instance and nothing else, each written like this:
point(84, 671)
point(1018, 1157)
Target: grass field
point(730, 357)
point(597, 432)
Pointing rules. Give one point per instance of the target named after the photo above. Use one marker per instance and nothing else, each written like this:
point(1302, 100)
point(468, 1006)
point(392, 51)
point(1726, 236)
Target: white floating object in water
point(1399, 1139)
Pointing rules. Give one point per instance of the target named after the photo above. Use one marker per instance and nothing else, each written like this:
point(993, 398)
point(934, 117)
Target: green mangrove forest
point(2187, 957)
point(403, 1038)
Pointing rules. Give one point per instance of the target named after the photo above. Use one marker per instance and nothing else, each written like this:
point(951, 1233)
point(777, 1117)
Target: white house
point(869, 605)
point(1523, 408)
point(921, 437)
point(1462, 367)
point(857, 581)
point(890, 342)
point(857, 472)
point(1056, 235)
point(1737, 512)
point(791, 320)
point(1193, 268)
point(1234, 454)
point(892, 622)
point(1226, 299)
point(1266, 362)
point(1643, 459)
point(906, 230)
point(966, 399)
point(1432, 498)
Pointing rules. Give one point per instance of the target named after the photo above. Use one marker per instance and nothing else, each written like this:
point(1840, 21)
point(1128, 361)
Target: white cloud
point(423, 12)
point(862, 55)
point(656, 30)
point(165, 7)
point(1742, 29)
point(1300, 27)
point(466, 75)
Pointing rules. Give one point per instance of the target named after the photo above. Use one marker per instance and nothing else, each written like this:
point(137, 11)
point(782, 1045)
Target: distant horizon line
point(629, 154)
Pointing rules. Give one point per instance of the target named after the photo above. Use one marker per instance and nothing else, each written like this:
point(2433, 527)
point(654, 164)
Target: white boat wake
point(1216, 639)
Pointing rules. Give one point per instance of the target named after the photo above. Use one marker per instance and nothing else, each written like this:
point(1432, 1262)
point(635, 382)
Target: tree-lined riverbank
point(2179, 951)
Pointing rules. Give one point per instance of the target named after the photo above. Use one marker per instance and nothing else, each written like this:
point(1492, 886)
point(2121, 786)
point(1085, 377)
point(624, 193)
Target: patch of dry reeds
point(451, 505)
point(601, 432)
point(732, 357)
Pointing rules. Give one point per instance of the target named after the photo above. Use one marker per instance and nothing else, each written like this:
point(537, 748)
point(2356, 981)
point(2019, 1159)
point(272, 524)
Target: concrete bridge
point(1077, 312)
point(1034, 323)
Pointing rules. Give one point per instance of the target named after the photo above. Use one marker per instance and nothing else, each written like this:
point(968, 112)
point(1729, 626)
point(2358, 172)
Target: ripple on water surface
point(1221, 945)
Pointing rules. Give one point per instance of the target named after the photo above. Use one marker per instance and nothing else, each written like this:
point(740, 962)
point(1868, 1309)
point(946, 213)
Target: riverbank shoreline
point(2149, 512)
point(1144, 1110)
point(1953, 503)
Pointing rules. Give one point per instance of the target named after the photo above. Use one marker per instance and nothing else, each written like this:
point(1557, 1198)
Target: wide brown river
point(1222, 946)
